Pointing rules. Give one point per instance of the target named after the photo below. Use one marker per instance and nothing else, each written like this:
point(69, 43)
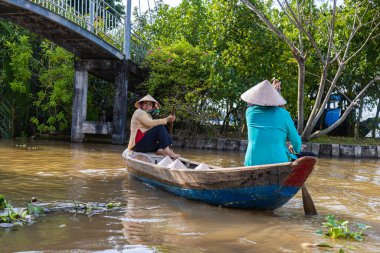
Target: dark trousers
point(155, 138)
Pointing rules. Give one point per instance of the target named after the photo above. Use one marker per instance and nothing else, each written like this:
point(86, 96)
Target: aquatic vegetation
point(10, 216)
point(339, 228)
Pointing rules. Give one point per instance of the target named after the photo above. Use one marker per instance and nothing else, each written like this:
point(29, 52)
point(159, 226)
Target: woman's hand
point(170, 118)
point(277, 85)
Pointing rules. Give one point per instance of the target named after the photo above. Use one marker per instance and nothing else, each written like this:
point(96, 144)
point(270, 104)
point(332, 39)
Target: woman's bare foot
point(160, 152)
point(169, 152)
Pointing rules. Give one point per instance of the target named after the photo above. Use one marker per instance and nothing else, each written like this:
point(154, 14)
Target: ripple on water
point(136, 220)
point(44, 174)
point(102, 172)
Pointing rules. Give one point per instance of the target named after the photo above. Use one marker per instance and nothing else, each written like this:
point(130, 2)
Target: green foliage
point(100, 100)
point(179, 76)
point(20, 55)
point(53, 100)
point(346, 140)
point(338, 228)
point(237, 56)
point(6, 128)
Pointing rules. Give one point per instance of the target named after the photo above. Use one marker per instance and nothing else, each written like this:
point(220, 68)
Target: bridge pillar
point(79, 109)
point(120, 103)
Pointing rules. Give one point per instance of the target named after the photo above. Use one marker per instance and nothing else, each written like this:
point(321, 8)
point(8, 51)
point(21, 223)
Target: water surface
point(155, 221)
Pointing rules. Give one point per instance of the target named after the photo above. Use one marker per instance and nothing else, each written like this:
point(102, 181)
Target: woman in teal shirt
point(269, 127)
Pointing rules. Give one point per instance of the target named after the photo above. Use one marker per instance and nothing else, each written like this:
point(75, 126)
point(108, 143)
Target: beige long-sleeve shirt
point(143, 121)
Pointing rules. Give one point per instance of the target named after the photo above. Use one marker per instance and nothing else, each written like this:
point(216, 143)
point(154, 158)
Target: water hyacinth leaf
point(362, 226)
point(24, 213)
point(2, 202)
point(358, 238)
point(113, 204)
point(32, 209)
point(319, 232)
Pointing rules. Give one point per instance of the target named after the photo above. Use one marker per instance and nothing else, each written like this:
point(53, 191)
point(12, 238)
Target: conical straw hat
point(263, 94)
point(147, 98)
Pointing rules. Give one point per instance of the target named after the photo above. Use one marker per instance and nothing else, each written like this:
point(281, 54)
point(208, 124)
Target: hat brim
point(263, 94)
point(150, 99)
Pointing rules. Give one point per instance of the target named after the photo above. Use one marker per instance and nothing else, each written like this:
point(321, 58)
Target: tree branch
point(299, 25)
point(274, 29)
point(365, 42)
point(346, 113)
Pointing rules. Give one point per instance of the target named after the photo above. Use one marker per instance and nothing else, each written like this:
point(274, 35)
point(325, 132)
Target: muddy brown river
point(156, 221)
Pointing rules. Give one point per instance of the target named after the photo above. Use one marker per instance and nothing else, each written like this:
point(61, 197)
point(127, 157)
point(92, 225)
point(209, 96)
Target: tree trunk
point(300, 95)
point(376, 120)
point(357, 122)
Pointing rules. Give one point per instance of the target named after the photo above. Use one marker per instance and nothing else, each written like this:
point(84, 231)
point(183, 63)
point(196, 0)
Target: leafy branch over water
point(10, 216)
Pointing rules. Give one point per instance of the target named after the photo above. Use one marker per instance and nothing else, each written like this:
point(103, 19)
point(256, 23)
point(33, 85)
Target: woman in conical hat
point(148, 134)
point(269, 126)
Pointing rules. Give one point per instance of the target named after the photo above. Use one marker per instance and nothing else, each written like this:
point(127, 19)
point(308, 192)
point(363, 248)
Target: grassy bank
point(346, 140)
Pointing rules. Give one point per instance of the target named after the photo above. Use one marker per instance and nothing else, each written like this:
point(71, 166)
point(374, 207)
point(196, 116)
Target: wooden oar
point(172, 123)
point(307, 201)
point(308, 204)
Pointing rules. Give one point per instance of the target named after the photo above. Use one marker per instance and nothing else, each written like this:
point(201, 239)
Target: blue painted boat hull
point(264, 187)
point(260, 197)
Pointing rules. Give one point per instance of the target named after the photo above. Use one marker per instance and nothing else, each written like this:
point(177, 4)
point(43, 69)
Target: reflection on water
point(156, 221)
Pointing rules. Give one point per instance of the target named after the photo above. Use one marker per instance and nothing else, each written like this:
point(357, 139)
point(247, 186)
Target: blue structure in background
point(333, 114)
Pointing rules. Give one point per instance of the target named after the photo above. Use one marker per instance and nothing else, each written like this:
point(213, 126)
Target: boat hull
point(257, 187)
point(260, 197)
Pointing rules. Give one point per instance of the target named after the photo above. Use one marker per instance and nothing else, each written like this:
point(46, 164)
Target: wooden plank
point(215, 178)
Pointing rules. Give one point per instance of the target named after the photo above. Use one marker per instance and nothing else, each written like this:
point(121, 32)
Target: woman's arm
point(147, 121)
point(293, 135)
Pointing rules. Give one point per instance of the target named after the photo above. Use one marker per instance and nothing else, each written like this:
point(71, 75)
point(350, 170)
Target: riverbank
point(320, 149)
point(347, 149)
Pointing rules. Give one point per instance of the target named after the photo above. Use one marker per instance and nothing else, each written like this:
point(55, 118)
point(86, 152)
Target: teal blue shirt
point(269, 127)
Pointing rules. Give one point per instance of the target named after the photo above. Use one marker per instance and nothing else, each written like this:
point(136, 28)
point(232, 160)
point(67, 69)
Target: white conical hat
point(263, 94)
point(147, 98)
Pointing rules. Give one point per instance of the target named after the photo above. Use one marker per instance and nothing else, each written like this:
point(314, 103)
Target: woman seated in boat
point(148, 134)
point(269, 126)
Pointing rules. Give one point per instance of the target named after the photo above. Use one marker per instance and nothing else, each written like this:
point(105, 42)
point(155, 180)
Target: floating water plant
point(10, 216)
point(339, 228)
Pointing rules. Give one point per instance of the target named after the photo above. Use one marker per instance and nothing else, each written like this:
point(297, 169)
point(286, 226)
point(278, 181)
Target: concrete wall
point(320, 149)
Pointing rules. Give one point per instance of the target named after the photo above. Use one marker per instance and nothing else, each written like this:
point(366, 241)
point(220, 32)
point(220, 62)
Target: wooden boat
point(264, 187)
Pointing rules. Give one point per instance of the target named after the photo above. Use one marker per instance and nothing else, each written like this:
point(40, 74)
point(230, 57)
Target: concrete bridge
point(104, 43)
